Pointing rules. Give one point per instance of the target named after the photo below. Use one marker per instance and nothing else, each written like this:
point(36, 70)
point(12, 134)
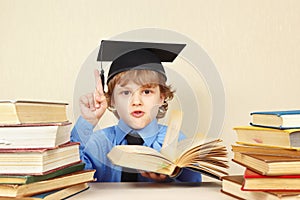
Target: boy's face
point(136, 105)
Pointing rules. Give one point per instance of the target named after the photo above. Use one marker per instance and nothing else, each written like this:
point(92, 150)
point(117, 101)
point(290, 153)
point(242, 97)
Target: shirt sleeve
point(81, 133)
point(94, 146)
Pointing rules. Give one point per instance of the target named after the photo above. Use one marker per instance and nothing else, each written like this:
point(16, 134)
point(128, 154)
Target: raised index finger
point(98, 82)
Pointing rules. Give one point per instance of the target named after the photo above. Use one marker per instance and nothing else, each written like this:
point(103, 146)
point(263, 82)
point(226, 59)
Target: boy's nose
point(136, 99)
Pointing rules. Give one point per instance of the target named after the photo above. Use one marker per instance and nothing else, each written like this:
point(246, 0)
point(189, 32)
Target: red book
point(258, 182)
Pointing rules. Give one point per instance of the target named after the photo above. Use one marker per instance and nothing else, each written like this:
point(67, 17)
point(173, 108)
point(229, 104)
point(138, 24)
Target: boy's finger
point(98, 82)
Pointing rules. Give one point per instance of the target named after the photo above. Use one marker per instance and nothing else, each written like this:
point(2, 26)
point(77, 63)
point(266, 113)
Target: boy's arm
point(185, 175)
point(81, 133)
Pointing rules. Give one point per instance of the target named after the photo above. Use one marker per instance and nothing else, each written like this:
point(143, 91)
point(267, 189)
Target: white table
point(153, 191)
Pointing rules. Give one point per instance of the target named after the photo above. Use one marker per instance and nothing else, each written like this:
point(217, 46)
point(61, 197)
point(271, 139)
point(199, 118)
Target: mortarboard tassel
point(102, 78)
point(102, 71)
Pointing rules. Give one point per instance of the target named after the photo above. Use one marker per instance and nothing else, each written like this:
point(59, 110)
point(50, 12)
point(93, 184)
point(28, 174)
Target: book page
point(171, 140)
point(138, 149)
point(207, 157)
point(141, 158)
point(189, 143)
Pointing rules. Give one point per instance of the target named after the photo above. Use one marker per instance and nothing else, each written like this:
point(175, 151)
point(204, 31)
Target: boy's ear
point(162, 99)
point(112, 103)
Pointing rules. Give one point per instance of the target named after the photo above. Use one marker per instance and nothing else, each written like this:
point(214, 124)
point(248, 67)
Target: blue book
point(285, 119)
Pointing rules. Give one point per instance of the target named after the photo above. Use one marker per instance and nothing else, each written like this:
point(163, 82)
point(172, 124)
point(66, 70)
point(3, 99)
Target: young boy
point(137, 94)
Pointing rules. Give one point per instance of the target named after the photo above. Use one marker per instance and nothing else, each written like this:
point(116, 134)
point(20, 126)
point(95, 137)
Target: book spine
point(68, 170)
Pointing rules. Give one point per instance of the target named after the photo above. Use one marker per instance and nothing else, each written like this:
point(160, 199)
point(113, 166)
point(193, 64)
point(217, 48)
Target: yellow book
point(284, 138)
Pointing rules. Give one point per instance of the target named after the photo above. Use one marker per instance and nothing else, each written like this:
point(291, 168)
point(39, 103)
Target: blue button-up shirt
point(94, 147)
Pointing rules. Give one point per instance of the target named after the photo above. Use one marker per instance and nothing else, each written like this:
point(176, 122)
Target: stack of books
point(269, 150)
point(37, 159)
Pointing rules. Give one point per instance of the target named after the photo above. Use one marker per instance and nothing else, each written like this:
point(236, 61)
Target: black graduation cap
point(128, 55)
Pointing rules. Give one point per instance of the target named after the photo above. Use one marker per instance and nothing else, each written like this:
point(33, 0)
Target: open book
point(209, 158)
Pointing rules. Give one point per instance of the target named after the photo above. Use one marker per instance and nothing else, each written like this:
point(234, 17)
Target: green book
point(25, 179)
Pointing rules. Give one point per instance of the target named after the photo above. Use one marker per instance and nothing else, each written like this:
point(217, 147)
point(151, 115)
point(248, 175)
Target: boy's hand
point(155, 176)
point(93, 105)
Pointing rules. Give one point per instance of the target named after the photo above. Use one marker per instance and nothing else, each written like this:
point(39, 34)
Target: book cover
point(285, 119)
point(54, 194)
point(257, 182)
point(288, 138)
point(22, 111)
point(268, 165)
point(231, 185)
point(38, 161)
point(26, 179)
point(45, 135)
point(277, 112)
point(62, 193)
point(27, 190)
point(263, 150)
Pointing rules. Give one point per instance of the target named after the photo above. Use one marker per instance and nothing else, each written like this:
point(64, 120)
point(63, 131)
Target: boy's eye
point(125, 92)
point(147, 91)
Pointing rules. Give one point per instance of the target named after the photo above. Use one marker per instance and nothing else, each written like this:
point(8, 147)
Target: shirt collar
point(148, 133)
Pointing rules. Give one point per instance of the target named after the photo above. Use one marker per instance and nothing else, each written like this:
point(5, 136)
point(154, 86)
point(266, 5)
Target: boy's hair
point(141, 77)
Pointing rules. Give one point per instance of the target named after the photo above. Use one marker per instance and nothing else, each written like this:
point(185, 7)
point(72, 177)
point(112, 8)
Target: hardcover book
point(288, 138)
point(27, 190)
point(285, 119)
point(26, 179)
point(54, 194)
point(268, 165)
point(263, 150)
point(257, 182)
point(231, 185)
point(38, 161)
point(23, 111)
point(34, 135)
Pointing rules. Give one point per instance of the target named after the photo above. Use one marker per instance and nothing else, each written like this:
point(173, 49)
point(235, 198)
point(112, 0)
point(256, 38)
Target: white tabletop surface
point(153, 191)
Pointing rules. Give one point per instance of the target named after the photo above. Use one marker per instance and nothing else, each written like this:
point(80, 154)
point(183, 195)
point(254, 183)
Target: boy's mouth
point(137, 113)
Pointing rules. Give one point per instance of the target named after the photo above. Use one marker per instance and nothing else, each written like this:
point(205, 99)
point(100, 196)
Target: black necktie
point(130, 175)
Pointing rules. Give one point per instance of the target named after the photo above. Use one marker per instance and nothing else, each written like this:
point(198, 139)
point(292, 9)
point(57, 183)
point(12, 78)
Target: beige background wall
point(255, 45)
